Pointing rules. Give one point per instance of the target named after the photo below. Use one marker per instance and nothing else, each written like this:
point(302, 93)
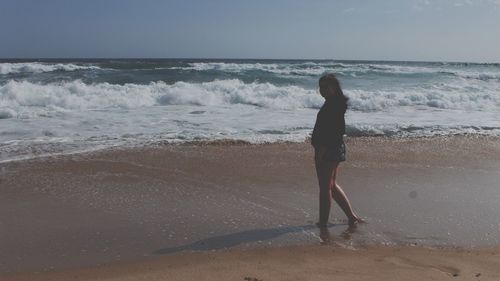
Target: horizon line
point(262, 59)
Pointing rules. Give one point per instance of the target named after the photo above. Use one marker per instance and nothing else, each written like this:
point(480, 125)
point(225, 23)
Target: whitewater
point(67, 106)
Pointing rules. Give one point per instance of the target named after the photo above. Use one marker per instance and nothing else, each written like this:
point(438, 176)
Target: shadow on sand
point(254, 235)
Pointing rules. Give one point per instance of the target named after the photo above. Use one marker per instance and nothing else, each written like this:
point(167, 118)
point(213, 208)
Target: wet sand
point(131, 205)
point(296, 263)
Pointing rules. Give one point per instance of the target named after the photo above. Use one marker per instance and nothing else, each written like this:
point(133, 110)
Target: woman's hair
point(332, 81)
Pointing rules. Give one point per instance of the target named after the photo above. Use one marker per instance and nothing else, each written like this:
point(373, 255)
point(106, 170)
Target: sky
point(414, 30)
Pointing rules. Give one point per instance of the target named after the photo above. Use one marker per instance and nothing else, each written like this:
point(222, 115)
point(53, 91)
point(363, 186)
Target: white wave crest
point(378, 100)
point(76, 95)
point(21, 97)
point(34, 67)
point(319, 68)
point(282, 69)
point(483, 76)
point(308, 68)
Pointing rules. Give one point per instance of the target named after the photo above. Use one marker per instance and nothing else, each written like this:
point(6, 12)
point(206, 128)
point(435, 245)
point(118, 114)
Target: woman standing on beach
point(329, 149)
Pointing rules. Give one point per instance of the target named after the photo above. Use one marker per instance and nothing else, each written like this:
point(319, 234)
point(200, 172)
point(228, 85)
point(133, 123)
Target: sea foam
point(23, 96)
point(76, 95)
point(351, 69)
point(34, 67)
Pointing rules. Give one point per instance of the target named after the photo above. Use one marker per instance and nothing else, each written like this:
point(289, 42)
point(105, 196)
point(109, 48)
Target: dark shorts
point(335, 154)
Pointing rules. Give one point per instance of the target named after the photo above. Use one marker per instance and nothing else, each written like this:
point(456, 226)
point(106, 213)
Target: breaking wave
point(34, 67)
point(352, 69)
point(17, 96)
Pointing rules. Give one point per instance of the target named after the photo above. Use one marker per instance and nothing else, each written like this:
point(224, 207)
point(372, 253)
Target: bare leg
point(340, 197)
point(324, 171)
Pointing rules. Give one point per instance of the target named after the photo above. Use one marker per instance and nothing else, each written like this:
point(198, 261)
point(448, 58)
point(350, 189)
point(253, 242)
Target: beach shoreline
point(295, 263)
point(126, 205)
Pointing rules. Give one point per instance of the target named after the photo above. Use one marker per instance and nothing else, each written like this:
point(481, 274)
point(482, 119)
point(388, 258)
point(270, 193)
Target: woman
point(329, 149)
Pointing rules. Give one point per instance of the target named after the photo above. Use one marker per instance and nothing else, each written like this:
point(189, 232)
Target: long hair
point(333, 82)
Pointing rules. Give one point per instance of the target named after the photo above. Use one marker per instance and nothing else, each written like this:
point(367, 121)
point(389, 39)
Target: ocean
point(66, 106)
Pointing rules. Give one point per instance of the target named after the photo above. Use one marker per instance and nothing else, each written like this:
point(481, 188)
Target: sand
point(297, 263)
point(133, 209)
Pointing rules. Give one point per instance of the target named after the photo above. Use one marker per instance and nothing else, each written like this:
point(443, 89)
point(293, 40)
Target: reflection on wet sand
point(327, 238)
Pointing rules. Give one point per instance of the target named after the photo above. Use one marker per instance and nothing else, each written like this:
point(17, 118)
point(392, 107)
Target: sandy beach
point(297, 263)
point(229, 210)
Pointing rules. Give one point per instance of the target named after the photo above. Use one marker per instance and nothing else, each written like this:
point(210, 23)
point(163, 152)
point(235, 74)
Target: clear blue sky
point(440, 30)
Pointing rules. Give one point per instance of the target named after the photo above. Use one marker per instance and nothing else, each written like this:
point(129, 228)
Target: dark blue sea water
point(62, 106)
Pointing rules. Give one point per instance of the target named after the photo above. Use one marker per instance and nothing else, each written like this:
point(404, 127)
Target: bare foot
point(324, 235)
point(347, 234)
point(355, 220)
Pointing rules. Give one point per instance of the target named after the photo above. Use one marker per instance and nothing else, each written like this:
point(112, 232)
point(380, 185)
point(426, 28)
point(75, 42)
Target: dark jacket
point(330, 123)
